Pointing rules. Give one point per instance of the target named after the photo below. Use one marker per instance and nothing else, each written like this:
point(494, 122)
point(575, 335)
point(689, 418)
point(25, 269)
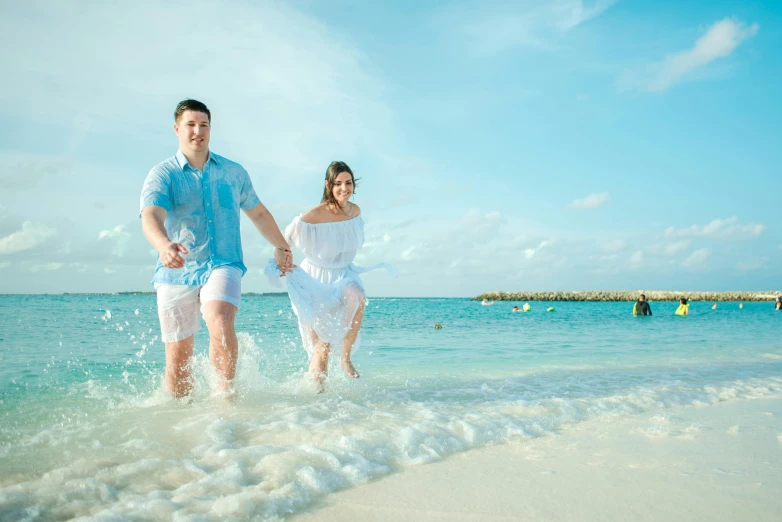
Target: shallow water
point(87, 432)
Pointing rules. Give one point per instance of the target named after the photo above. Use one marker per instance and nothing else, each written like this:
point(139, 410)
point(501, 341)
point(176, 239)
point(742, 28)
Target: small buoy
point(741, 305)
point(438, 326)
point(526, 307)
point(550, 309)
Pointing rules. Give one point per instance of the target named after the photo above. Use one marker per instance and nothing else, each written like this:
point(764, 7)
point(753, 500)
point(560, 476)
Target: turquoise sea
point(86, 431)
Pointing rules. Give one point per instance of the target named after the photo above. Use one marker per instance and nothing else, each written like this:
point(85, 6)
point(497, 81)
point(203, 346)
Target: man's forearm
point(269, 229)
point(267, 226)
point(153, 226)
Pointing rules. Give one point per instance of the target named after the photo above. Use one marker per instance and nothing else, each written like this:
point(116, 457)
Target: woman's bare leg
point(319, 364)
point(350, 340)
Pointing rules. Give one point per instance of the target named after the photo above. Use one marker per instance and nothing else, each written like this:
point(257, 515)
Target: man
point(641, 307)
point(190, 213)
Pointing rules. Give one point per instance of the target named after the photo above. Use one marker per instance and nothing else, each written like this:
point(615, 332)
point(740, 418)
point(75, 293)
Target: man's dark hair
point(643, 297)
point(191, 105)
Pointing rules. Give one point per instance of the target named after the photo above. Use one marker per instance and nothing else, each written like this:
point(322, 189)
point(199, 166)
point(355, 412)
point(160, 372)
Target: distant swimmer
point(778, 306)
point(684, 308)
point(526, 307)
point(516, 309)
point(550, 309)
point(641, 307)
point(741, 305)
point(714, 306)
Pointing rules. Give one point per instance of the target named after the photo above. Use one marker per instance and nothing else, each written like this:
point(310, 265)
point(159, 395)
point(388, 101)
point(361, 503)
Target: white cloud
point(616, 245)
point(5, 264)
point(594, 200)
point(270, 74)
point(534, 24)
point(46, 267)
point(674, 248)
point(719, 41)
point(637, 258)
point(753, 263)
point(30, 236)
point(23, 171)
point(79, 267)
point(728, 229)
point(482, 226)
point(119, 236)
point(408, 254)
point(529, 253)
point(408, 198)
point(697, 259)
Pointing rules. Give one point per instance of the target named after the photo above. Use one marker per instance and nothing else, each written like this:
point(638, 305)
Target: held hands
point(169, 255)
point(284, 259)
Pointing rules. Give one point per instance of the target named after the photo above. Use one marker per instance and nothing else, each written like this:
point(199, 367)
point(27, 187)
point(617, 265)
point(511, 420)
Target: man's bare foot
point(227, 395)
point(350, 370)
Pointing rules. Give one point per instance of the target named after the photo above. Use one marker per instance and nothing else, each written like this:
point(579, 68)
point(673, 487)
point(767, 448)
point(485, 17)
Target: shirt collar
point(182, 160)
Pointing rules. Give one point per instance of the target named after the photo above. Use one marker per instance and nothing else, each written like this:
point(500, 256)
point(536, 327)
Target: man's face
point(193, 128)
point(642, 299)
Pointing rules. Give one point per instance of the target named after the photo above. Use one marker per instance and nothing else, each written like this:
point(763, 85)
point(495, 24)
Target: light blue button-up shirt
point(203, 214)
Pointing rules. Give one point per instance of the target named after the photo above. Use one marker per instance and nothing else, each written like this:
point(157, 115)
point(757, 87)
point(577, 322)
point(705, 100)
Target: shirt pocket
point(226, 196)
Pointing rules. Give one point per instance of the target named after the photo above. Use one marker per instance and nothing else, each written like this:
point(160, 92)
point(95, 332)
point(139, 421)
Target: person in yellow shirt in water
point(684, 308)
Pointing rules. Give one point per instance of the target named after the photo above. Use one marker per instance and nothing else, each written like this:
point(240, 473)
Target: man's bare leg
point(223, 345)
point(178, 379)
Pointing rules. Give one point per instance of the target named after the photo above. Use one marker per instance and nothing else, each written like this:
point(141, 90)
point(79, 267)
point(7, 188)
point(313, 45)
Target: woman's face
point(343, 187)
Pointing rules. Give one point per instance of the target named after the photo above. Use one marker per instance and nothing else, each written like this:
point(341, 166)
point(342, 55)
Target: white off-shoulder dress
point(326, 289)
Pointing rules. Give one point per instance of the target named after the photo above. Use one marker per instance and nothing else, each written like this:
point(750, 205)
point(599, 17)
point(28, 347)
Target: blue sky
point(501, 145)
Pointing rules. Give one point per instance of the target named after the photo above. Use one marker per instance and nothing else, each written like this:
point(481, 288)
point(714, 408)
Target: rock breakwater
point(622, 295)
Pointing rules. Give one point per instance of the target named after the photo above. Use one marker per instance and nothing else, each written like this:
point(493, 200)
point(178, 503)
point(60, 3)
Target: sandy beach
point(720, 462)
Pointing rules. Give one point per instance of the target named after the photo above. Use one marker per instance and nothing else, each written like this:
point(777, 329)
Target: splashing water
point(88, 430)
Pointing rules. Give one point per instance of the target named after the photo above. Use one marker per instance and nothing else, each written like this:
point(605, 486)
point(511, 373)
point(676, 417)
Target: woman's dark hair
point(335, 169)
point(191, 105)
point(683, 300)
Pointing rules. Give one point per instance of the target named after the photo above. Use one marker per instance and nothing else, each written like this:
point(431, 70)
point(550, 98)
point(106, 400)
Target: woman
point(325, 290)
point(684, 308)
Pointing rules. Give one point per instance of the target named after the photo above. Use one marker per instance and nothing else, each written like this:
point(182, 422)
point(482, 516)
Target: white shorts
point(178, 305)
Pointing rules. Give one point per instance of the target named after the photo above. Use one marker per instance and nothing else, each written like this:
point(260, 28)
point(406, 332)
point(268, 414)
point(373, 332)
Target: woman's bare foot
point(319, 369)
point(350, 370)
point(319, 383)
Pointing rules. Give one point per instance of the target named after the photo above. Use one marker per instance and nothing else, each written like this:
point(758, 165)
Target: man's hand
point(169, 255)
point(284, 259)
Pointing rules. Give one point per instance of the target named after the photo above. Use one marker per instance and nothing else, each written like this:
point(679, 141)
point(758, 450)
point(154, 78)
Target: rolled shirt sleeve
point(157, 190)
point(247, 198)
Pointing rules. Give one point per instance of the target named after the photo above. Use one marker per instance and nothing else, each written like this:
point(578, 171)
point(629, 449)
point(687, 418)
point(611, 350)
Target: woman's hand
point(284, 259)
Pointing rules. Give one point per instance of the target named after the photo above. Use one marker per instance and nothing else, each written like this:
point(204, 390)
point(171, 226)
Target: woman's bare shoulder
point(356, 210)
point(316, 215)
